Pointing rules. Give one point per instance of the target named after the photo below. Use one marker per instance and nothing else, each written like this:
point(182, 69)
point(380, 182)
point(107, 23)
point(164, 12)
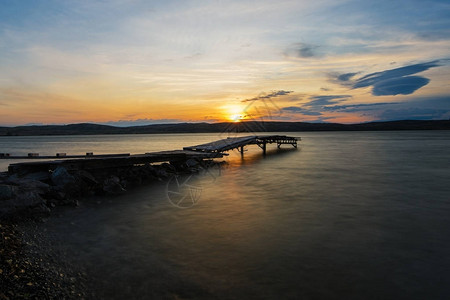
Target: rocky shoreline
point(34, 195)
point(28, 268)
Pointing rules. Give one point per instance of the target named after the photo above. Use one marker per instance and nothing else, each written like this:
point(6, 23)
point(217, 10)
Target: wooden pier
point(92, 163)
point(200, 152)
point(36, 156)
point(239, 143)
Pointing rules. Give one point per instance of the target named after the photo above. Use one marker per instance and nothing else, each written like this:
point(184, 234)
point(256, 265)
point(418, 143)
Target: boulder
point(56, 193)
point(168, 167)
point(24, 203)
point(28, 199)
point(191, 163)
point(26, 184)
point(86, 177)
point(40, 176)
point(164, 171)
point(162, 174)
point(3, 176)
point(61, 177)
point(40, 210)
point(76, 188)
point(112, 185)
point(6, 191)
point(34, 186)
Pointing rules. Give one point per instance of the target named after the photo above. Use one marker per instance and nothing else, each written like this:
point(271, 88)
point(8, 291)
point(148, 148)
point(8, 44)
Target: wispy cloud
point(357, 107)
point(318, 101)
point(316, 105)
point(264, 96)
point(301, 110)
point(141, 122)
point(302, 50)
point(342, 79)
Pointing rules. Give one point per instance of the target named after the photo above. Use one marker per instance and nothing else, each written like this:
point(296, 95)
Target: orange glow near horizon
point(233, 112)
point(235, 118)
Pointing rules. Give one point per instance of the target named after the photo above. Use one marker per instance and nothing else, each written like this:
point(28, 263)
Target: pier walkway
point(239, 143)
point(99, 162)
point(200, 152)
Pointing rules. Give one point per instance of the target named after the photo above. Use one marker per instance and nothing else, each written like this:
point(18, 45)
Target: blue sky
point(140, 62)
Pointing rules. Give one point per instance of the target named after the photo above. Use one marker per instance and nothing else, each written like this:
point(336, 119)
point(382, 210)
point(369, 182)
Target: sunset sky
point(145, 62)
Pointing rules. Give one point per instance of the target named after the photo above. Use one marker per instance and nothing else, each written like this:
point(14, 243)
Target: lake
point(347, 215)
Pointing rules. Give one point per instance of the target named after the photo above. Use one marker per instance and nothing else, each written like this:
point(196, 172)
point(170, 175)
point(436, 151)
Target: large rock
point(61, 177)
point(112, 185)
point(24, 203)
point(38, 176)
point(56, 193)
point(87, 177)
point(3, 176)
point(6, 191)
point(77, 188)
point(28, 199)
point(192, 163)
point(34, 186)
point(39, 210)
point(24, 184)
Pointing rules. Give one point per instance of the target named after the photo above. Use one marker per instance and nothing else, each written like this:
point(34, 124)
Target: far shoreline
point(232, 127)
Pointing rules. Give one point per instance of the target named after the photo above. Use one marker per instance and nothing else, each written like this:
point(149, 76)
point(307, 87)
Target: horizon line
point(212, 123)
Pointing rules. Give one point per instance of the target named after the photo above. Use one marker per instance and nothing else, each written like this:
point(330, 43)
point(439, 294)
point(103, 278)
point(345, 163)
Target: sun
point(235, 118)
point(234, 113)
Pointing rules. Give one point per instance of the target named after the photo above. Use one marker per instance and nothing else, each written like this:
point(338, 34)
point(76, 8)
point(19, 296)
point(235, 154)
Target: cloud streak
point(342, 79)
point(316, 105)
point(302, 50)
point(357, 107)
point(397, 81)
point(300, 110)
point(271, 95)
point(141, 122)
point(317, 101)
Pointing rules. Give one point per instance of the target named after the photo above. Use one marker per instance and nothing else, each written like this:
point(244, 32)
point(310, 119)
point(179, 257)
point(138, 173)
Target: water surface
point(349, 215)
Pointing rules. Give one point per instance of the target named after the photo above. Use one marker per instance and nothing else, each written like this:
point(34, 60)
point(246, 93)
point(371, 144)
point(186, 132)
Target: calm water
point(354, 215)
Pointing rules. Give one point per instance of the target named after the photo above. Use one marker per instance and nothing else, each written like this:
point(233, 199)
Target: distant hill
point(252, 126)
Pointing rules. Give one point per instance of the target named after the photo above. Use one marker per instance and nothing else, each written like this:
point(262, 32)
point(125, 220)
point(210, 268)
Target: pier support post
point(264, 148)
point(242, 151)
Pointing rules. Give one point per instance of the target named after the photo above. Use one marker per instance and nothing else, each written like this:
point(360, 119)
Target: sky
point(147, 62)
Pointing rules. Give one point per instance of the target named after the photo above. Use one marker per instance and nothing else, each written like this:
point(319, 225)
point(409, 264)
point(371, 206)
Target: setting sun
point(235, 118)
point(234, 113)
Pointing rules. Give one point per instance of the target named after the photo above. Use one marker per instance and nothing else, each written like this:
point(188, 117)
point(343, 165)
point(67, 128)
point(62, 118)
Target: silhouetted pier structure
point(59, 156)
point(240, 142)
point(104, 161)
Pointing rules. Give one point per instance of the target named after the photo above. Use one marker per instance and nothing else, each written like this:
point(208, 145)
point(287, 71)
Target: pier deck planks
point(233, 143)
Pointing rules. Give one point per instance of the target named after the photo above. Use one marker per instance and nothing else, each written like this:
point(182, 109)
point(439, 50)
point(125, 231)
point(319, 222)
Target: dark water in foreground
point(358, 215)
